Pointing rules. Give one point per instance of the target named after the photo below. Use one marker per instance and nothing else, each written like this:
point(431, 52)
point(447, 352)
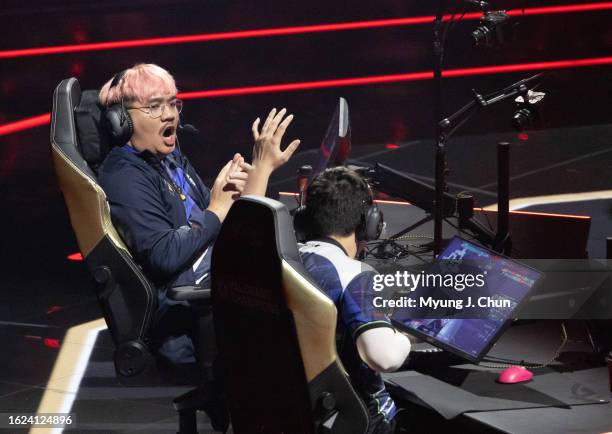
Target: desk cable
point(401, 251)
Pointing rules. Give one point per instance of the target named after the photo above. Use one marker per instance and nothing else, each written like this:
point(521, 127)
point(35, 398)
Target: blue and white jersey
point(349, 283)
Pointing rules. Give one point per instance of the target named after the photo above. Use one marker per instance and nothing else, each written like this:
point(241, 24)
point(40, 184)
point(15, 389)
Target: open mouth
point(168, 134)
point(168, 131)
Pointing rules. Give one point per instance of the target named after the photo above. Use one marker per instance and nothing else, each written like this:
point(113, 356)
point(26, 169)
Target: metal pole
point(503, 197)
point(439, 141)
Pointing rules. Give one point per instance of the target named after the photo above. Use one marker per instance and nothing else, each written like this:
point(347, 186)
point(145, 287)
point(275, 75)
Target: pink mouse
point(514, 374)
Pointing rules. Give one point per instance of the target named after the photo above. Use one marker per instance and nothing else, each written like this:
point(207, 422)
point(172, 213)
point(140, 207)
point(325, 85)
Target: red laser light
point(280, 31)
point(207, 37)
point(359, 81)
point(52, 343)
point(395, 78)
point(75, 257)
point(25, 124)
point(287, 87)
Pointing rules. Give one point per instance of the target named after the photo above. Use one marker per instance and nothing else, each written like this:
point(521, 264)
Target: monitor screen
point(469, 333)
point(336, 144)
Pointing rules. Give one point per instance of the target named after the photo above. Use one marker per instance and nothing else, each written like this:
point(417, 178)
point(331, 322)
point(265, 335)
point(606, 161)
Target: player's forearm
point(257, 183)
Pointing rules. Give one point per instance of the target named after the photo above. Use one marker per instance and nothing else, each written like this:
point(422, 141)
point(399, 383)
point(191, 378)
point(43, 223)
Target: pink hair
point(138, 84)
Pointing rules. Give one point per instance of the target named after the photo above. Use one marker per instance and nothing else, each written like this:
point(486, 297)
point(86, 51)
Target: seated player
point(336, 205)
point(161, 208)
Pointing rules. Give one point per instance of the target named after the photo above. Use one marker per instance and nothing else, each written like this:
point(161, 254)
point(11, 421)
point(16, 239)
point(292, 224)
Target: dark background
point(36, 231)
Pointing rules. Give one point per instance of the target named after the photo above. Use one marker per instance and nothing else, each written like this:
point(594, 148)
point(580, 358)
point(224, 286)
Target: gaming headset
point(372, 223)
point(118, 121)
point(370, 226)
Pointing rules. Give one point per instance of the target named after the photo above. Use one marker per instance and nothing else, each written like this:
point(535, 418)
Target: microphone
point(303, 173)
point(188, 128)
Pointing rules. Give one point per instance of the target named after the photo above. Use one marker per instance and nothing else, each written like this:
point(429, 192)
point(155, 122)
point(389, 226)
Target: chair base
point(204, 399)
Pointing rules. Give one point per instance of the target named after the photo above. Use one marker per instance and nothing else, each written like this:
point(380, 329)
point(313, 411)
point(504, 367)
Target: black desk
point(533, 342)
point(577, 419)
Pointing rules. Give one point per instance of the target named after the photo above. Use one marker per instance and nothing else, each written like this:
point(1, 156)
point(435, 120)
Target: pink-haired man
point(165, 214)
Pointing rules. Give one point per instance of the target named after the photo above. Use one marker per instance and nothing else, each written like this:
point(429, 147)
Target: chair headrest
point(262, 222)
point(94, 140)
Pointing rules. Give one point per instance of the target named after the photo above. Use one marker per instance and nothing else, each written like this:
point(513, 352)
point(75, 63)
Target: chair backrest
point(276, 330)
point(127, 298)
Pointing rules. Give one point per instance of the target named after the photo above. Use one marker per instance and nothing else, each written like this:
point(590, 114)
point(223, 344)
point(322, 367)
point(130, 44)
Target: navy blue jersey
point(165, 237)
point(349, 283)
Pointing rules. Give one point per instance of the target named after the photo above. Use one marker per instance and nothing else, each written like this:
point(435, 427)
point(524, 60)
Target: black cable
point(400, 251)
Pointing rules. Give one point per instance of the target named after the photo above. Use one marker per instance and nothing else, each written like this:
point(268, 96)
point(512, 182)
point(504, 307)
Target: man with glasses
point(163, 211)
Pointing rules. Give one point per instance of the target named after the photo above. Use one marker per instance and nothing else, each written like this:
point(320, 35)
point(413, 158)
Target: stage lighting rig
point(482, 5)
point(493, 29)
point(527, 110)
point(490, 31)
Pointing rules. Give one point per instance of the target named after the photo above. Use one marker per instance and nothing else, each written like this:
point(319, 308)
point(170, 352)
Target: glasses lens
point(155, 110)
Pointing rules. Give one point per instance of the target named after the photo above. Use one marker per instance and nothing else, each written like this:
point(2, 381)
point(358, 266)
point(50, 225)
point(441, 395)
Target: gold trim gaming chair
point(276, 331)
point(127, 298)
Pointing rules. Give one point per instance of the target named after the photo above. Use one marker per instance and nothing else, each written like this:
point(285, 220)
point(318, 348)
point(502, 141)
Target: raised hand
point(267, 153)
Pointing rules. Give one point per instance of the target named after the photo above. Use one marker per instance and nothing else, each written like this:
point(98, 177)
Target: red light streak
point(282, 31)
point(25, 124)
point(52, 343)
point(75, 257)
point(342, 82)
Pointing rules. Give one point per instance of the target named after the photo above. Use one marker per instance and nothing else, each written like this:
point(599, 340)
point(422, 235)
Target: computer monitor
point(336, 144)
point(470, 335)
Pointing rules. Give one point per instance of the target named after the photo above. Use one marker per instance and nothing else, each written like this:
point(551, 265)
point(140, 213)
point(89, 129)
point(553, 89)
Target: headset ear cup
point(119, 124)
point(130, 125)
point(300, 224)
point(373, 223)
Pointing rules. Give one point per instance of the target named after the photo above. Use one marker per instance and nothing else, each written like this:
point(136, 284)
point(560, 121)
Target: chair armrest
point(184, 293)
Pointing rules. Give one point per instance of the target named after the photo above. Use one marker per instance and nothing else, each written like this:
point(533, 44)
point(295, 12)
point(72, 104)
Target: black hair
point(336, 202)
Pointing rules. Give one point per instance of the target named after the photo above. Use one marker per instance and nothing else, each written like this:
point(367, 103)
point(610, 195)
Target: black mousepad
point(452, 391)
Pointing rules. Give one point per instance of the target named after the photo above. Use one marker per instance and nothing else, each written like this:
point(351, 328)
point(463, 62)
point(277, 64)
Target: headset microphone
point(188, 128)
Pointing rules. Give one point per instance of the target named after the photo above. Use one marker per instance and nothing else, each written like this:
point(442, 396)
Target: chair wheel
point(131, 358)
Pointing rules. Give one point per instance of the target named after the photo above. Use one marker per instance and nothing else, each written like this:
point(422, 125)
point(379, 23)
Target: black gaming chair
point(127, 298)
point(276, 331)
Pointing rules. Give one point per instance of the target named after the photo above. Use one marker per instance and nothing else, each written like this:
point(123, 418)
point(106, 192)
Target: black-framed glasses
point(156, 109)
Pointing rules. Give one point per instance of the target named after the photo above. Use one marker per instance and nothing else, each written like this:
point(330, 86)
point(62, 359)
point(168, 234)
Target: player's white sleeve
point(383, 349)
